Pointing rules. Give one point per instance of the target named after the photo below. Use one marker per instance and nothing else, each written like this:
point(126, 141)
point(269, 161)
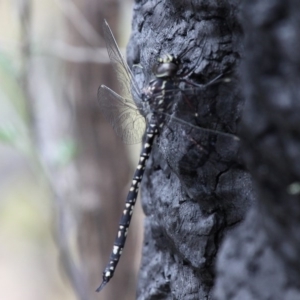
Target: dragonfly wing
point(185, 124)
point(124, 74)
point(200, 141)
point(122, 114)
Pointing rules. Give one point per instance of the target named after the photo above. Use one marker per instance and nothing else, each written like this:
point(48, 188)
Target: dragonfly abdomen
point(120, 240)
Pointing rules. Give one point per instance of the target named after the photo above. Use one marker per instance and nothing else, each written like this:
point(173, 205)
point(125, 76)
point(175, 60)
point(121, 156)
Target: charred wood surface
point(191, 196)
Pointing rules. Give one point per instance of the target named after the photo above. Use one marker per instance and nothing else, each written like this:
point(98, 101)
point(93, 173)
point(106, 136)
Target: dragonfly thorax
point(159, 94)
point(158, 91)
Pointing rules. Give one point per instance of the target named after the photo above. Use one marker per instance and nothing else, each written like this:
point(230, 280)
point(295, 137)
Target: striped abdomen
point(129, 206)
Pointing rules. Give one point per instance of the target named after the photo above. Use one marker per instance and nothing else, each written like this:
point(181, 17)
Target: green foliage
point(8, 134)
point(66, 151)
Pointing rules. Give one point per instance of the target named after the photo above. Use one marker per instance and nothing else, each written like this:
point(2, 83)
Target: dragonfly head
point(167, 66)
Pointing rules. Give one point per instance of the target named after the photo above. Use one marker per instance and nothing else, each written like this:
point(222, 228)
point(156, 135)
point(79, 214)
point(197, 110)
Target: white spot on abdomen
point(115, 250)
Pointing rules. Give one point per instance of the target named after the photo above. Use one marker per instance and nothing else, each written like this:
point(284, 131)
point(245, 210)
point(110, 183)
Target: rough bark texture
point(260, 259)
point(196, 188)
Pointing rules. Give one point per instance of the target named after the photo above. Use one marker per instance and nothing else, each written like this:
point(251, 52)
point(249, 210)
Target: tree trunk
point(260, 259)
point(196, 187)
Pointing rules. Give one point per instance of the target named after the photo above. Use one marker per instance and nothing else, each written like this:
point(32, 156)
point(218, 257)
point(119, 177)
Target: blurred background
point(64, 175)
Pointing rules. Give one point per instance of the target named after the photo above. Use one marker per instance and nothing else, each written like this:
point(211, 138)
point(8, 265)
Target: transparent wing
point(200, 128)
point(122, 114)
point(120, 66)
point(198, 156)
point(184, 124)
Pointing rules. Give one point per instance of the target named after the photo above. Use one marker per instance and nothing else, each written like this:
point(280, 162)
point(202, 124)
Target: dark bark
point(192, 194)
point(260, 260)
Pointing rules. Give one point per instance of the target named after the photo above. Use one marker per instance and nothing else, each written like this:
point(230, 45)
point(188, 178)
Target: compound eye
point(175, 60)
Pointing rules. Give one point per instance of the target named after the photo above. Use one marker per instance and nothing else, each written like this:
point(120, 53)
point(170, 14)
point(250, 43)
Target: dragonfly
point(132, 122)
